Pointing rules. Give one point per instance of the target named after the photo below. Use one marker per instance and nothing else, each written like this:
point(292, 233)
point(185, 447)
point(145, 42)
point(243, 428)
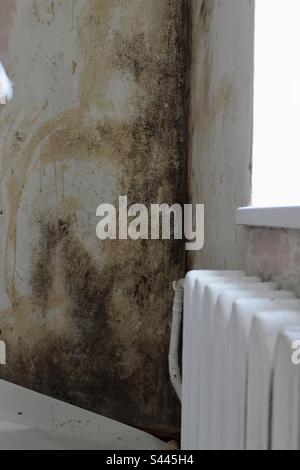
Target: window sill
point(276, 217)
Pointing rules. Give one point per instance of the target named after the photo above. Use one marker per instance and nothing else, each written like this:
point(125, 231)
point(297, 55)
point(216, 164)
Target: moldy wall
point(98, 112)
point(221, 125)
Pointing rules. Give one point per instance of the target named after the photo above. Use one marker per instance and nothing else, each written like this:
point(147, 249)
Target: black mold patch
point(112, 356)
point(52, 234)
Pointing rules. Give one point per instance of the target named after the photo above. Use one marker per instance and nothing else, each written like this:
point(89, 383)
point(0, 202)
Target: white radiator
point(237, 376)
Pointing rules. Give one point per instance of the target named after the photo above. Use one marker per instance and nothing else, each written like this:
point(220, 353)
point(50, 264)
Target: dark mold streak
point(111, 357)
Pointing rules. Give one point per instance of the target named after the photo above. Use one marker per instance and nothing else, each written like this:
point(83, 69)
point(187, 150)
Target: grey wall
point(99, 111)
point(221, 125)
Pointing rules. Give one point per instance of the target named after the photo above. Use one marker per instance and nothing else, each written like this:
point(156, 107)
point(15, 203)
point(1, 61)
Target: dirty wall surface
point(98, 112)
point(220, 144)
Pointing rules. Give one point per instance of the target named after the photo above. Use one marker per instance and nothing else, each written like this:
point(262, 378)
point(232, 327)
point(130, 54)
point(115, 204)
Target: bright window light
point(276, 151)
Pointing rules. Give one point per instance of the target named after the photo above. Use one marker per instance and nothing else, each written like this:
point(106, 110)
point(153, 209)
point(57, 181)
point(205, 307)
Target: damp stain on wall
point(86, 321)
point(220, 137)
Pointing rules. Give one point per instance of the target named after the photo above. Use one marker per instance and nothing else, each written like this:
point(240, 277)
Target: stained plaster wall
point(99, 111)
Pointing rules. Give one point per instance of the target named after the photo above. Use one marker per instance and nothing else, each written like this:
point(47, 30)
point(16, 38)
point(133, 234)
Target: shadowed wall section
point(99, 111)
point(220, 156)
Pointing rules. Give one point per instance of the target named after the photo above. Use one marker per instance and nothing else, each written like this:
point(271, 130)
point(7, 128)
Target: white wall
point(221, 125)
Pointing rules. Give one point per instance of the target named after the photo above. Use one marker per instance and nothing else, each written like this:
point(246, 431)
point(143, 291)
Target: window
point(276, 145)
point(276, 137)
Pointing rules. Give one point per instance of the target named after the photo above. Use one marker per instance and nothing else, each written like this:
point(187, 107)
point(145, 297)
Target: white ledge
point(277, 217)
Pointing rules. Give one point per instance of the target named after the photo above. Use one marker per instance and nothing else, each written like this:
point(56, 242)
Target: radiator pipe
point(174, 368)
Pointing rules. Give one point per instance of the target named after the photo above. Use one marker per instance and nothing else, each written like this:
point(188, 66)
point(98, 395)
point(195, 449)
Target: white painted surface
point(238, 345)
point(195, 283)
point(237, 322)
point(286, 393)
point(201, 393)
point(278, 217)
point(263, 339)
point(29, 420)
point(219, 359)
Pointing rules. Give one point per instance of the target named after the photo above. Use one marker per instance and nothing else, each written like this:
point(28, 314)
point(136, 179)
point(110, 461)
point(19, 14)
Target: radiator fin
point(231, 327)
